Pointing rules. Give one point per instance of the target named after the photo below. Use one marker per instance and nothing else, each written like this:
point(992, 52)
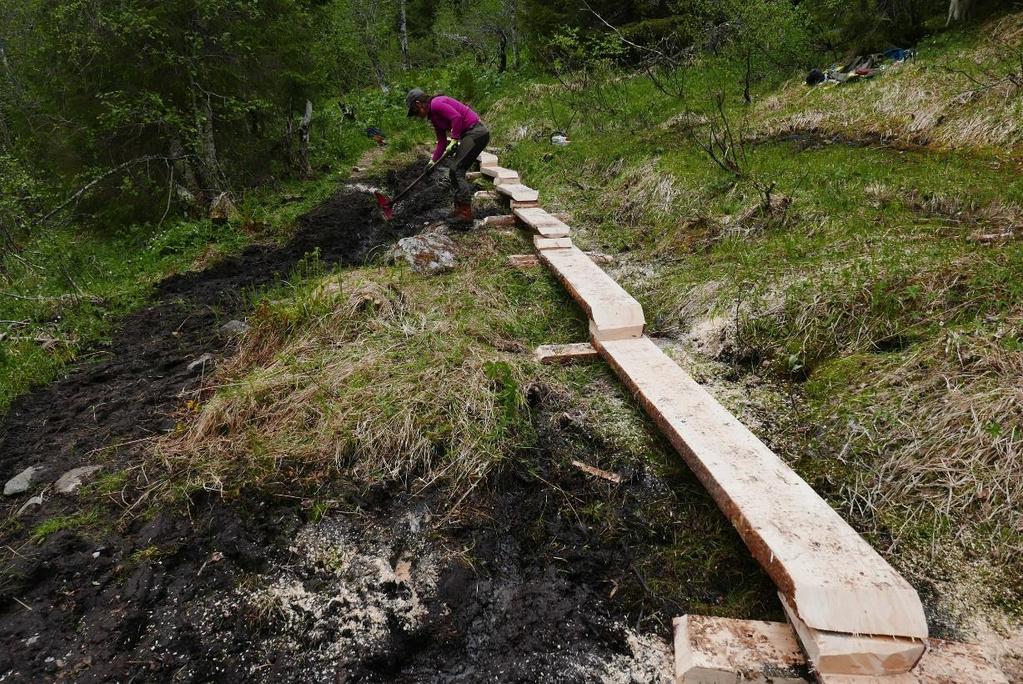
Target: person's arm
point(442, 143)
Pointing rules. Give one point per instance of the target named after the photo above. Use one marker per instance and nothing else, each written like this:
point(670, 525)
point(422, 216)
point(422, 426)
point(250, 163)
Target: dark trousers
point(472, 143)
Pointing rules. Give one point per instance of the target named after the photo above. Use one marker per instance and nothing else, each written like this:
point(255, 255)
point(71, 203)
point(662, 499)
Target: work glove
point(430, 164)
point(451, 147)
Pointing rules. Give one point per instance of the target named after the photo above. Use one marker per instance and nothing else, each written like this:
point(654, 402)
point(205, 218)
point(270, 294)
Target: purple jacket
point(448, 114)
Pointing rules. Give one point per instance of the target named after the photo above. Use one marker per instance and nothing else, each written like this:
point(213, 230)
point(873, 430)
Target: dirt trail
point(518, 590)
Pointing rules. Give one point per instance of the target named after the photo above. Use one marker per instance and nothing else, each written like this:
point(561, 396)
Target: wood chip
point(597, 472)
point(523, 260)
point(566, 353)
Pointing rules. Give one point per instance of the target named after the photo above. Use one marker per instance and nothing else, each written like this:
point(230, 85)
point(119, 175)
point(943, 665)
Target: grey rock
point(427, 253)
point(234, 328)
point(21, 482)
point(222, 208)
point(201, 362)
point(72, 479)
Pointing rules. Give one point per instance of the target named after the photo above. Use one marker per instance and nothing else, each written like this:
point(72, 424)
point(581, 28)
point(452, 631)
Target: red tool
point(387, 203)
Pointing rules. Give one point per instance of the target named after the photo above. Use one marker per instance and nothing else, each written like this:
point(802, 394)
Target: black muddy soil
point(519, 587)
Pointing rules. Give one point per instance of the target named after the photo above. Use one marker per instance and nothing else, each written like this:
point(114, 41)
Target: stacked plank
point(856, 617)
point(712, 649)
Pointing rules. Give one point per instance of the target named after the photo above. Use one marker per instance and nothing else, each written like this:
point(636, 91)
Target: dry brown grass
point(372, 377)
point(966, 100)
point(642, 194)
point(999, 219)
point(946, 432)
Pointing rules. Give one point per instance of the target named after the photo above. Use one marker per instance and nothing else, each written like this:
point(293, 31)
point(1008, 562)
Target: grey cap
point(411, 98)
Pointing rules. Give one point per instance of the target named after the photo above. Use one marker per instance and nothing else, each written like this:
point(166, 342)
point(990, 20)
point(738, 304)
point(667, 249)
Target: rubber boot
point(462, 213)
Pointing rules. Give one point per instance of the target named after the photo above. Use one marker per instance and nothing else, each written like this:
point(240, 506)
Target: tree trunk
point(367, 14)
point(747, 96)
point(183, 167)
point(211, 175)
point(403, 35)
point(512, 8)
point(305, 168)
point(502, 55)
point(515, 48)
point(378, 71)
point(957, 10)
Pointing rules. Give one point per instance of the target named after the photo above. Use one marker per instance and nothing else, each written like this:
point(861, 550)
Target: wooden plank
point(543, 223)
point(523, 260)
point(950, 661)
point(613, 313)
point(834, 579)
point(503, 220)
point(518, 192)
point(566, 353)
point(524, 205)
point(551, 243)
point(486, 160)
point(712, 650)
point(473, 175)
point(500, 175)
point(840, 653)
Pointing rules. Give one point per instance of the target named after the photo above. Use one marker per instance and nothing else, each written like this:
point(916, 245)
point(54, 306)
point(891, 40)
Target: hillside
point(371, 478)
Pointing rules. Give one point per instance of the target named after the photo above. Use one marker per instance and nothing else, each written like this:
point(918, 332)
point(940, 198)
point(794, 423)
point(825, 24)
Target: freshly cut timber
point(502, 220)
point(613, 313)
point(713, 650)
point(952, 661)
point(543, 223)
point(500, 175)
point(518, 192)
point(523, 260)
point(840, 653)
point(551, 243)
point(566, 353)
point(487, 159)
point(832, 577)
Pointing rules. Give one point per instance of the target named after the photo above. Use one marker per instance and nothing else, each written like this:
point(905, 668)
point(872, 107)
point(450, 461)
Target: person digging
point(461, 136)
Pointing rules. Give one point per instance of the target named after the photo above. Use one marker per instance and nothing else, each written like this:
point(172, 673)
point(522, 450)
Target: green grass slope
point(863, 256)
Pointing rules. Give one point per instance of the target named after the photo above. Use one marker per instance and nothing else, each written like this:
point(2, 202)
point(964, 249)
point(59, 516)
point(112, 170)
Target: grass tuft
point(373, 375)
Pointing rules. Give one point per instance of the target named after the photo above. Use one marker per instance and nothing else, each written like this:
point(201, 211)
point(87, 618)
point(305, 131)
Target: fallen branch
point(77, 195)
point(625, 40)
point(59, 298)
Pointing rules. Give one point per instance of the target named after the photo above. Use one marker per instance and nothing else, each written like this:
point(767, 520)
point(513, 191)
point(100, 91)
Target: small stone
point(234, 328)
point(21, 482)
point(201, 362)
point(31, 641)
point(72, 479)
